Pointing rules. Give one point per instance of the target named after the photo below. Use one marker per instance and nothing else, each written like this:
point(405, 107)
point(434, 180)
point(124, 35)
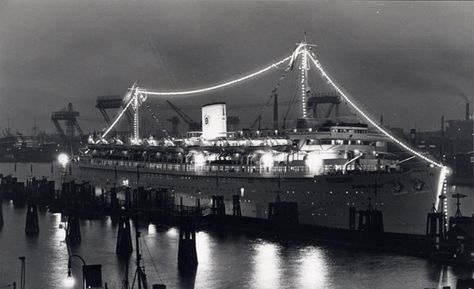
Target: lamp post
point(23, 273)
point(69, 281)
point(91, 274)
point(63, 160)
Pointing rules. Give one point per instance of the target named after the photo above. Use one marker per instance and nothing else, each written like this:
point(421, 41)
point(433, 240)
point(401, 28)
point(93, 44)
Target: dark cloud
point(411, 61)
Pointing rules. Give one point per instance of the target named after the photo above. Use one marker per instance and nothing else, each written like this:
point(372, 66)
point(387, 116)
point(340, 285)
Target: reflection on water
point(267, 264)
point(312, 269)
point(234, 261)
point(203, 246)
point(225, 261)
point(151, 229)
point(172, 233)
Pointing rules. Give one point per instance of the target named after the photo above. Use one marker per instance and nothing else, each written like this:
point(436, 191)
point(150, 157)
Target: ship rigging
point(310, 152)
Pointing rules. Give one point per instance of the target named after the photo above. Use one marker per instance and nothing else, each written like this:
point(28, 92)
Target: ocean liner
point(325, 166)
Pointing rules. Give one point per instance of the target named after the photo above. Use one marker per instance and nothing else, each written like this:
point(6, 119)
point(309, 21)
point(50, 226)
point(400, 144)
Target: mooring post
point(283, 216)
point(19, 193)
point(283, 213)
point(187, 255)
point(23, 272)
point(32, 226)
point(1, 210)
point(124, 238)
point(371, 220)
point(352, 218)
point(435, 228)
point(236, 210)
point(140, 197)
point(114, 204)
point(32, 190)
point(73, 229)
point(464, 283)
point(218, 206)
point(213, 206)
point(198, 207)
point(102, 198)
point(128, 202)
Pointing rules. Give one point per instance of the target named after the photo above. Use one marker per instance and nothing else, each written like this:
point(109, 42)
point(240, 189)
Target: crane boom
point(193, 125)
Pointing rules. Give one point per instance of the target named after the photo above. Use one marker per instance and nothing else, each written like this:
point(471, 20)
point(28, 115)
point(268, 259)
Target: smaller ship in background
point(16, 147)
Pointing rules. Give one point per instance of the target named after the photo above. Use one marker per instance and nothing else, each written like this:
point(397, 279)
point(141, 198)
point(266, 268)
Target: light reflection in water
point(230, 262)
point(172, 233)
point(151, 229)
point(203, 248)
point(446, 277)
point(267, 264)
point(60, 232)
point(312, 269)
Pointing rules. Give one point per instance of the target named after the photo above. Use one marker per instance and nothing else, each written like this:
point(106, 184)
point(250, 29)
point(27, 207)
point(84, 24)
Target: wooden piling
point(1, 210)
point(32, 225)
point(73, 229)
point(218, 206)
point(124, 238)
point(187, 255)
point(236, 210)
point(352, 218)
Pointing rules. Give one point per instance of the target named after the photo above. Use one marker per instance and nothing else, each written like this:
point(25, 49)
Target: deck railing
point(227, 168)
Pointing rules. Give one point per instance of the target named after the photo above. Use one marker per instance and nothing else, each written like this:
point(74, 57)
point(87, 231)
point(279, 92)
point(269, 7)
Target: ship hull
point(404, 198)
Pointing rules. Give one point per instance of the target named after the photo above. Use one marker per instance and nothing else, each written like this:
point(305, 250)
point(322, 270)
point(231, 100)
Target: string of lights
point(304, 81)
point(215, 87)
point(119, 116)
point(367, 117)
point(305, 54)
point(194, 91)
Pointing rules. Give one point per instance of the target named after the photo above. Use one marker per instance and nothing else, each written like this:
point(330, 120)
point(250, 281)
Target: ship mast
point(302, 51)
point(304, 67)
point(136, 122)
point(136, 101)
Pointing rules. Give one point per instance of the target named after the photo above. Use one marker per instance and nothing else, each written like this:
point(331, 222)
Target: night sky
point(410, 61)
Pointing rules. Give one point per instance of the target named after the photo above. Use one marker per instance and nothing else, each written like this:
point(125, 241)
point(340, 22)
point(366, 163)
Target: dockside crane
point(106, 102)
point(174, 125)
point(233, 122)
point(193, 125)
point(316, 99)
point(69, 116)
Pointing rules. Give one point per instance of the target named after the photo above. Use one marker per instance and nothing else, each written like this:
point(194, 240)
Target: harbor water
point(225, 261)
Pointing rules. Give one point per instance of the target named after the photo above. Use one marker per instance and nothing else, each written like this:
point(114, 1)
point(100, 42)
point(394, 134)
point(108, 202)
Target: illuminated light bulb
point(69, 281)
point(267, 160)
point(199, 159)
point(314, 162)
point(63, 159)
